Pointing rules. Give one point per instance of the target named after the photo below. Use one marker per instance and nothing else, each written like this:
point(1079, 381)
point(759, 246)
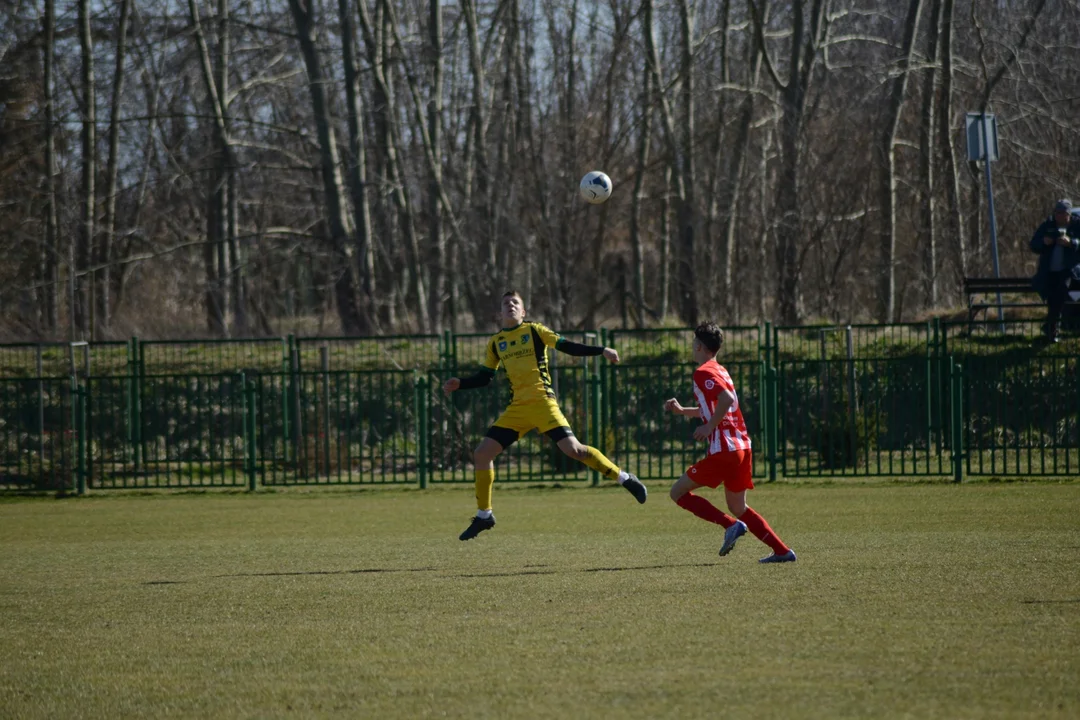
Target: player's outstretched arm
point(581, 350)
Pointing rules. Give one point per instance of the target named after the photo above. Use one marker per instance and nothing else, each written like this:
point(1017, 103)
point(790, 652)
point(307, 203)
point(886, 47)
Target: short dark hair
point(710, 335)
point(511, 293)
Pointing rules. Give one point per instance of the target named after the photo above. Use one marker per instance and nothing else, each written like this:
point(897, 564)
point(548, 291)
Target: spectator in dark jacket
point(1057, 242)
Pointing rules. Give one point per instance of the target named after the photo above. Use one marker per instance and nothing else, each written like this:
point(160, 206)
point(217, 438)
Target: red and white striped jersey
point(709, 381)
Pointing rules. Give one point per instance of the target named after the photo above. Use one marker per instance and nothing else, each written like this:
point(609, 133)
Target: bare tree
point(887, 159)
point(50, 251)
point(337, 220)
point(807, 34)
point(80, 308)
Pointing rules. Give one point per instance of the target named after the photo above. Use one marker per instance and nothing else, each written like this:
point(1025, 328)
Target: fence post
point(250, 424)
point(597, 413)
point(853, 401)
point(773, 419)
point(956, 379)
point(294, 393)
point(80, 440)
point(606, 378)
point(324, 364)
point(40, 411)
point(422, 400)
point(136, 401)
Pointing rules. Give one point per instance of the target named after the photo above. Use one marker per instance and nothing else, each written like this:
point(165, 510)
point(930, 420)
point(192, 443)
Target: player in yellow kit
point(521, 347)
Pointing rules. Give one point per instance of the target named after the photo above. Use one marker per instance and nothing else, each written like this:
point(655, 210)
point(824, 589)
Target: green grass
point(921, 600)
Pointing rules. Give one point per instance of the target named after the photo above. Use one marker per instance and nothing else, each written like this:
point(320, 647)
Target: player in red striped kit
point(729, 460)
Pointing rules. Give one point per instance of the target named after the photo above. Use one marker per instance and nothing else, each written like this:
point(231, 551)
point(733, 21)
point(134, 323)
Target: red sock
point(704, 509)
point(757, 525)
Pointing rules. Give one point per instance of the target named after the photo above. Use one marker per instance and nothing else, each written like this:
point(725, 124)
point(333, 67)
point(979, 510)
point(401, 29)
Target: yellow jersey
point(523, 352)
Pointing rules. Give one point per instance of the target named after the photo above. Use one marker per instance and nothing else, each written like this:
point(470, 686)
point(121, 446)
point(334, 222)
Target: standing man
point(521, 347)
point(1057, 243)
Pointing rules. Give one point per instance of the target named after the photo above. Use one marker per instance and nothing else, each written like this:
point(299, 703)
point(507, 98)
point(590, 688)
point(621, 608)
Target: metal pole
point(852, 399)
point(324, 359)
point(41, 410)
point(422, 431)
point(297, 411)
point(993, 217)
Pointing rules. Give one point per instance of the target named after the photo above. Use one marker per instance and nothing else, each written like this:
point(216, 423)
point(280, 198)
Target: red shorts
point(732, 468)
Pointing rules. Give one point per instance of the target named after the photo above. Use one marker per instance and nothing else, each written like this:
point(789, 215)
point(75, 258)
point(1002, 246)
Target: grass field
point(922, 601)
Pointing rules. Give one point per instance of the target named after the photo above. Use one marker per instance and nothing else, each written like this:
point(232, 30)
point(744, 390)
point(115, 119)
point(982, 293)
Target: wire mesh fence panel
point(37, 443)
point(167, 431)
point(1022, 418)
point(858, 417)
point(338, 427)
point(61, 360)
point(836, 342)
point(672, 345)
point(391, 352)
point(458, 423)
point(164, 357)
point(654, 444)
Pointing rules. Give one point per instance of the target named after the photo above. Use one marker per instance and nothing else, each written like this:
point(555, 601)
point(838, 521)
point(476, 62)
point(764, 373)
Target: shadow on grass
point(527, 570)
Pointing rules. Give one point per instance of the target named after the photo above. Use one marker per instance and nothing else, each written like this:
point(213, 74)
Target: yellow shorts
point(517, 420)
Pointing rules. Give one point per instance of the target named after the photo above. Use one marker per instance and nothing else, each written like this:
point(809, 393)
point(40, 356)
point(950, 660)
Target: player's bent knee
point(680, 488)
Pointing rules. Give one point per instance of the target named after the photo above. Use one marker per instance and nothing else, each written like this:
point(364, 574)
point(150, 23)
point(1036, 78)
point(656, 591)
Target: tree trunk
point(103, 284)
point(337, 219)
point(948, 148)
point(50, 251)
point(356, 169)
point(687, 211)
point(436, 239)
point(640, 169)
point(237, 301)
point(664, 291)
point(804, 46)
point(927, 154)
point(887, 157)
point(85, 234)
point(216, 210)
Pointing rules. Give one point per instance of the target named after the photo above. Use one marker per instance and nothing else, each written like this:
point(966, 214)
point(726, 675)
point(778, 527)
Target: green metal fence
point(1022, 419)
point(37, 434)
point(933, 400)
point(166, 431)
point(860, 417)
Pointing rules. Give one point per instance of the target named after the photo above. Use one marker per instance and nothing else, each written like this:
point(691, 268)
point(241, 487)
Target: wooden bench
point(977, 287)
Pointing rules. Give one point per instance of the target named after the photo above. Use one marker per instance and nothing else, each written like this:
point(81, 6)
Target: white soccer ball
point(595, 187)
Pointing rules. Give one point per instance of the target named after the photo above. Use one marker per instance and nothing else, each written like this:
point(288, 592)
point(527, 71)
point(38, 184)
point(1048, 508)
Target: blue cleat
point(636, 488)
point(789, 556)
point(477, 526)
point(732, 534)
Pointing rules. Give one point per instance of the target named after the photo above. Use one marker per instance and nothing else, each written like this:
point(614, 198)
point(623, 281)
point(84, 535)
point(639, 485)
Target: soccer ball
point(595, 187)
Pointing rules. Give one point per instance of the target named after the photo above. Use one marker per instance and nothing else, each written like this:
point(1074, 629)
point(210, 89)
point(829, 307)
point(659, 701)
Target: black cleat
point(477, 526)
point(636, 488)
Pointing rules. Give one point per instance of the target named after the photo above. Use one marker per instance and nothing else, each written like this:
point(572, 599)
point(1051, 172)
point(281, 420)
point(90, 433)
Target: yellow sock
point(599, 462)
point(484, 480)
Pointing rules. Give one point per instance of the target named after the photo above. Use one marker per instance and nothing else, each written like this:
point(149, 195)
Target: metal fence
point(926, 400)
